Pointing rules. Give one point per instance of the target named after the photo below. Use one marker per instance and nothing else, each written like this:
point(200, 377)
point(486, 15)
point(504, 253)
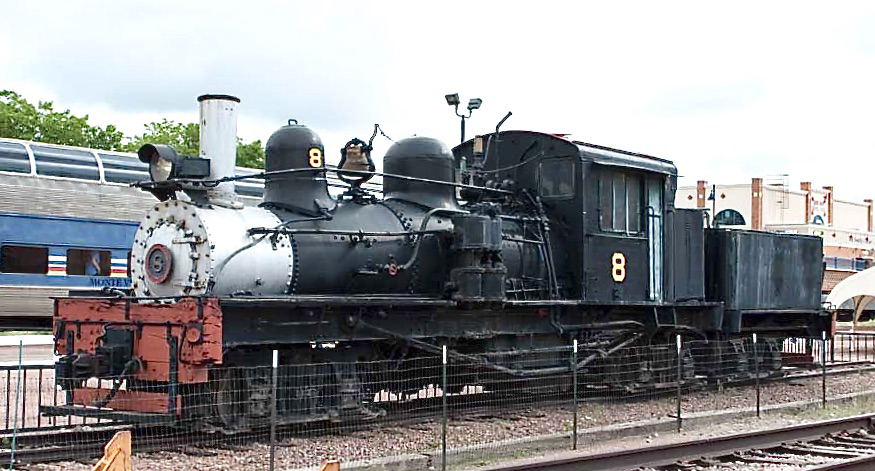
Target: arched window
point(729, 217)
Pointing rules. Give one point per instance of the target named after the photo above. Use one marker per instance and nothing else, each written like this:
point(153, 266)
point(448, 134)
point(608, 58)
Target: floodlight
point(453, 99)
point(474, 103)
point(162, 160)
point(478, 145)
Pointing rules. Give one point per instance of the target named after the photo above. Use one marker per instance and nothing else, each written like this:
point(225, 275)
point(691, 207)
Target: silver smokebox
point(203, 246)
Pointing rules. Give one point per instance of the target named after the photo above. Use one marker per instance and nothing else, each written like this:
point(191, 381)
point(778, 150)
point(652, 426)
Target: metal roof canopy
point(859, 287)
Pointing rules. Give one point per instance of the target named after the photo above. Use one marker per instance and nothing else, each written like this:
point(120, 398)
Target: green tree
point(250, 155)
point(20, 119)
point(185, 138)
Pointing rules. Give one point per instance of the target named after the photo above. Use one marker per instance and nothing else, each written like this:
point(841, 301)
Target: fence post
point(823, 364)
point(832, 349)
point(15, 421)
point(444, 412)
point(273, 400)
point(679, 378)
point(756, 361)
point(857, 346)
point(574, 393)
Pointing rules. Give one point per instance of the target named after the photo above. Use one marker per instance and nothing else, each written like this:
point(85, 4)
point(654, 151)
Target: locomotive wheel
point(230, 398)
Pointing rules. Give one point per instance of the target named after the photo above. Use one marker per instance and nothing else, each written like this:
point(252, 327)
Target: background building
point(771, 205)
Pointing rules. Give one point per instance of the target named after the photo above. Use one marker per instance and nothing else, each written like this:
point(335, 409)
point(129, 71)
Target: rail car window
point(88, 262)
point(72, 163)
point(24, 259)
point(13, 158)
point(620, 205)
point(556, 178)
point(251, 186)
point(123, 168)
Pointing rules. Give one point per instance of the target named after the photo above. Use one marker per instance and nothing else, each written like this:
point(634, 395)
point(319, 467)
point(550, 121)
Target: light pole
point(473, 104)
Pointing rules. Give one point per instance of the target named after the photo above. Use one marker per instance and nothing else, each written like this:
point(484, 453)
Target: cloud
point(703, 100)
point(726, 91)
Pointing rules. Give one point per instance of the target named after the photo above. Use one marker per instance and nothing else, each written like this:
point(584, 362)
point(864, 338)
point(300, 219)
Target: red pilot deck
point(173, 344)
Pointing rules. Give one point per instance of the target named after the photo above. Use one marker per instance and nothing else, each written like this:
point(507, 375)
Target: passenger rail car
point(59, 204)
point(42, 257)
point(514, 242)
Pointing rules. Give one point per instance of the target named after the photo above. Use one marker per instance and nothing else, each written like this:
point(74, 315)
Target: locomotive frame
point(555, 241)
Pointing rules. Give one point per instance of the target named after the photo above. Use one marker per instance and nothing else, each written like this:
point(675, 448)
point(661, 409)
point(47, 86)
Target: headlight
point(162, 161)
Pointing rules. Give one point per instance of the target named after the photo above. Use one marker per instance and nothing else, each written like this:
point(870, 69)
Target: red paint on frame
point(126, 401)
point(199, 340)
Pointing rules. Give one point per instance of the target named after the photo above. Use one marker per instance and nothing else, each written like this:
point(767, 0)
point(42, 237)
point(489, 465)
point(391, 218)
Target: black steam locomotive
point(512, 242)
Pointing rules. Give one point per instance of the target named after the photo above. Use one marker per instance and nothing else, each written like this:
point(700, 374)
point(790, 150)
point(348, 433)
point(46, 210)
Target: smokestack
point(218, 142)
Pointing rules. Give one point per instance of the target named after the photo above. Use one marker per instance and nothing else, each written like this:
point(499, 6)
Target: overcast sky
point(727, 91)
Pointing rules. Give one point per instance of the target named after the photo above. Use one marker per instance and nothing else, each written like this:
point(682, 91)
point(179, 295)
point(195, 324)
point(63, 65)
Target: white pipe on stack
point(218, 142)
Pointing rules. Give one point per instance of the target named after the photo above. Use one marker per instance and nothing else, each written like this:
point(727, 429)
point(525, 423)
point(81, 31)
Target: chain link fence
point(435, 411)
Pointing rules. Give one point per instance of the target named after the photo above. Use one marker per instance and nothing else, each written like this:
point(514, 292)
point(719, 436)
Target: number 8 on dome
point(315, 160)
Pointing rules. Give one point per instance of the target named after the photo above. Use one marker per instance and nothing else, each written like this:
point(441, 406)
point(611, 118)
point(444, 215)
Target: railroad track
point(479, 403)
point(86, 442)
point(847, 444)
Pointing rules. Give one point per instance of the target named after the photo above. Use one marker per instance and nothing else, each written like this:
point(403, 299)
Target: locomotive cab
point(610, 211)
point(627, 216)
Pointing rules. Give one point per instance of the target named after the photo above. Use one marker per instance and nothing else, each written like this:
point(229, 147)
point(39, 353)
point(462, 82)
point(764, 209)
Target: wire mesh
point(35, 389)
point(852, 347)
point(504, 399)
point(500, 405)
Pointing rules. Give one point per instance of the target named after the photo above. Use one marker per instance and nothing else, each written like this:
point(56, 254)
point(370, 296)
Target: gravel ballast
point(422, 441)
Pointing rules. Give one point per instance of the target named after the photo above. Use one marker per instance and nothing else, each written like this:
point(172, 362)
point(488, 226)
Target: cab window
point(556, 178)
point(620, 205)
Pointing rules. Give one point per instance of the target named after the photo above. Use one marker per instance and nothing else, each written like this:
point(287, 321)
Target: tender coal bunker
point(750, 270)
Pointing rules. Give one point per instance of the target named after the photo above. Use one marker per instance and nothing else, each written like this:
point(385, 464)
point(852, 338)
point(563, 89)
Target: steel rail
point(666, 455)
point(57, 444)
point(89, 444)
point(863, 463)
point(839, 369)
